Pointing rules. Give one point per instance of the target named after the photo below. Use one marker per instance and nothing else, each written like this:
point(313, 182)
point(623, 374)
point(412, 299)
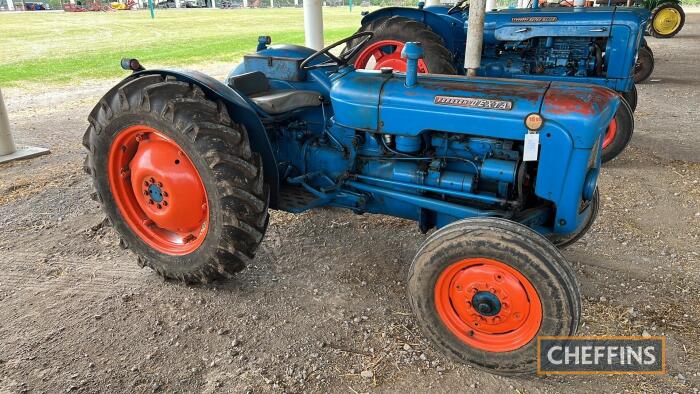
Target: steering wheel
point(341, 60)
point(457, 7)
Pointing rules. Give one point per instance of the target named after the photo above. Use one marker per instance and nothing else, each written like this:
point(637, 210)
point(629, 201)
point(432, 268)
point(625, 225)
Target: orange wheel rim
point(385, 53)
point(610, 134)
point(488, 305)
point(158, 190)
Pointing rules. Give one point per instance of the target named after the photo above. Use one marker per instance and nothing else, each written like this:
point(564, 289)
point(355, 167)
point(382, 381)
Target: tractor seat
point(256, 86)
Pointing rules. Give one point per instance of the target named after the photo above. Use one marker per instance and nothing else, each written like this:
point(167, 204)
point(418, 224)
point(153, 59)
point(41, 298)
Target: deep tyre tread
point(644, 66)
point(521, 248)
point(564, 240)
point(625, 128)
point(220, 151)
point(437, 57)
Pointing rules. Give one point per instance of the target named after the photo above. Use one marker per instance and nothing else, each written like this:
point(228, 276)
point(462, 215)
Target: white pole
point(7, 143)
point(272, 3)
point(475, 36)
point(177, 3)
point(245, 3)
point(10, 5)
point(429, 3)
point(313, 24)
point(213, 3)
point(491, 5)
point(296, 3)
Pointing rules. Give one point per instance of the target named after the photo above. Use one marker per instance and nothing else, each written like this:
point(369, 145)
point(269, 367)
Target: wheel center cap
point(155, 192)
point(486, 303)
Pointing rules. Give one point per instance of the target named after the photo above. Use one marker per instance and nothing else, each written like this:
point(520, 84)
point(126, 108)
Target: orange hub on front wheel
point(158, 190)
point(385, 53)
point(610, 134)
point(488, 305)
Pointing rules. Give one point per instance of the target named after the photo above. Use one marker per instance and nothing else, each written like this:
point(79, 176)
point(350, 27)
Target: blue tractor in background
point(186, 167)
point(588, 45)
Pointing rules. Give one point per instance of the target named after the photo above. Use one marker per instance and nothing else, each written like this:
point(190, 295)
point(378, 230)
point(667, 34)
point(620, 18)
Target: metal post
point(7, 143)
point(213, 3)
point(296, 3)
point(430, 3)
point(313, 24)
point(245, 3)
point(272, 3)
point(10, 5)
point(491, 5)
point(8, 149)
point(475, 36)
point(177, 3)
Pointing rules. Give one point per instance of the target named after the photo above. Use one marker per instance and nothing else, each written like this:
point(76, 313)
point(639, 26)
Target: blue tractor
point(588, 45)
point(187, 167)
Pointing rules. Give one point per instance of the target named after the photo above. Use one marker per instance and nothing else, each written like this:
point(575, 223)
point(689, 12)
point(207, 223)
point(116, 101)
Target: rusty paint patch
point(588, 101)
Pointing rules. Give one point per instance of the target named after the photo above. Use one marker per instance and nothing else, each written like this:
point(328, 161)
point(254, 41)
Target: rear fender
point(241, 112)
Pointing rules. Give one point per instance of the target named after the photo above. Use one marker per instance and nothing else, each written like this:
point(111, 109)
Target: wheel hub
point(158, 190)
point(488, 304)
point(385, 53)
point(667, 20)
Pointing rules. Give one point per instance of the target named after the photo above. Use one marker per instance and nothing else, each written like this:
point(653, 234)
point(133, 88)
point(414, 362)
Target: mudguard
point(240, 111)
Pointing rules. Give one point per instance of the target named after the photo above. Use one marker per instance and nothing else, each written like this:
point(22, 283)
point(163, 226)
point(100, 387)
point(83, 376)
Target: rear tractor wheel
point(390, 36)
point(177, 178)
point(619, 133)
point(484, 289)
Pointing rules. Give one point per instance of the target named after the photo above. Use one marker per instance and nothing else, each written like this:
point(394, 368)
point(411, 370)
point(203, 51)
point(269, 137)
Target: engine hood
point(370, 100)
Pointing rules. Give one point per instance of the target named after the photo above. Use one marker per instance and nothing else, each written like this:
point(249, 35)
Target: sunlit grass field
point(60, 47)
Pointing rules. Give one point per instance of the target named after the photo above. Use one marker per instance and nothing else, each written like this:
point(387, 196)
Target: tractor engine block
point(557, 56)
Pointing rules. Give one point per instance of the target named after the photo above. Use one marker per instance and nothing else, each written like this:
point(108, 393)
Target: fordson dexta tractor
point(588, 45)
point(186, 168)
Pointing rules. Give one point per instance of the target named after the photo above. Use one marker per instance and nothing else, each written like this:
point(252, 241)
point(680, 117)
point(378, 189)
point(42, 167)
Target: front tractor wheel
point(644, 66)
point(484, 289)
point(619, 133)
point(667, 20)
point(177, 179)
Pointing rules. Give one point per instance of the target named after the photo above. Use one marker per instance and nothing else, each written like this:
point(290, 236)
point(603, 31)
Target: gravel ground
point(323, 307)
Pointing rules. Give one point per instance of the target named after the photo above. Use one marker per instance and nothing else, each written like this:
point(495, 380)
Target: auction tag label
point(530, 150)
point(601, 355)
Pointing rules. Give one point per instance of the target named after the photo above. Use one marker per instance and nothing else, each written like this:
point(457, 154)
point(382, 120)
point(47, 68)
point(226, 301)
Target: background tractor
point(587, 45)
point(186, 168)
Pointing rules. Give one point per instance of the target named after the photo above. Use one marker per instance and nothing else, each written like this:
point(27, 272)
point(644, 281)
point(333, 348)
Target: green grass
point(67, 47)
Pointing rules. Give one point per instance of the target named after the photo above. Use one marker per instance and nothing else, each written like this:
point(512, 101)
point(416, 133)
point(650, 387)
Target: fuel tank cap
point(387, 70)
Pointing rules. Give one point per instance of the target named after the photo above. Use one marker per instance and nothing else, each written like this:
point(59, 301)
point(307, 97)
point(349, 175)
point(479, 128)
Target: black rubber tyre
point(644, 66)
point(631, 98)
point(220, 152)
point(515, 245)
point(654, 14)
point(437, 57)
point(564, 240)
point(625, 127)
